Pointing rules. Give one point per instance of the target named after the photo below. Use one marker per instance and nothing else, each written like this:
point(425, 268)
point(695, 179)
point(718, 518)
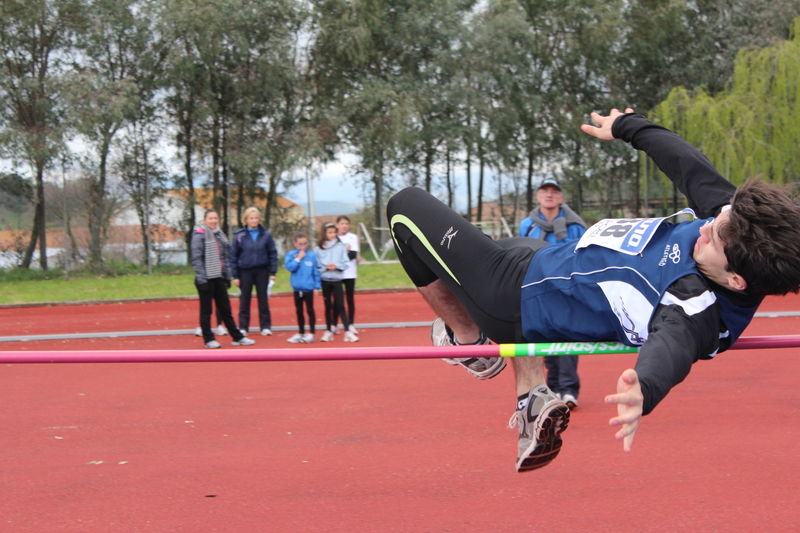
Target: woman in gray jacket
point(212, 278)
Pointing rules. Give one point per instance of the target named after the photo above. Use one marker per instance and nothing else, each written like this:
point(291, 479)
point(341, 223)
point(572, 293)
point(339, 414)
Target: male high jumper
point(683, 291)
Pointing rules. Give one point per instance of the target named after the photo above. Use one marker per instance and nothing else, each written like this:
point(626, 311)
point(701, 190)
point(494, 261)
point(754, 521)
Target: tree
point(186, 83)
point(144, 179)
point(106, 87)
point(433, 75)
point(367, 56)
point(751, 128)
point(35, 38)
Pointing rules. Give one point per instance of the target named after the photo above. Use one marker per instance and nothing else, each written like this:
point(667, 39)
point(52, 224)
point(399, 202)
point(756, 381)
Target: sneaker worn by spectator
point(244, 341)
point(295, 338)
point(198, 332)
point(266, 332)
point(308, 337)
point(327, 336)
point(349, 336)
point(220, 330)
point(570, 399)
point(213, 344)
point(480, 367)
point(352, 329)
point(541, 418)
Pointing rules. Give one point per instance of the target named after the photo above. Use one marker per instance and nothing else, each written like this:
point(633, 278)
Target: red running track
point(375, 446)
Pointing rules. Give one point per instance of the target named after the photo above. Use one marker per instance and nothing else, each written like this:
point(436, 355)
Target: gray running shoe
point(541, 422)
point(213, 344)
point(480, 367)
point(244, 341)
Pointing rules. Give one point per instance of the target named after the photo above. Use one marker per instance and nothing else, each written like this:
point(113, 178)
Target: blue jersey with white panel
point(610, 283)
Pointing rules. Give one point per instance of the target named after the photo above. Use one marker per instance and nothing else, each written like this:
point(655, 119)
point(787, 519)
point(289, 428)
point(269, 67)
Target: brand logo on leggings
point(448, 236)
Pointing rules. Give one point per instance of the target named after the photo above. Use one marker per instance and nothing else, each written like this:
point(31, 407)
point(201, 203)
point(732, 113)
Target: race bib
point(626, 235)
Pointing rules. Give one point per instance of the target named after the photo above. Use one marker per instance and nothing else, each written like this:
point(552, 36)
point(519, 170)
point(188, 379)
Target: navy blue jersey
point(596, 293)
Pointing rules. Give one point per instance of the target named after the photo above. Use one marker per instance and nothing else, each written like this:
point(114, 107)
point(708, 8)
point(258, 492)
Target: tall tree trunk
point(469, 178)
point(429, 153)
point(41, 216)
point(377, 179)
point(187, 168)
point(38, 233)
point(271, 196)
point(449, 179)
point(215, 159)
point(226, 189)
point(529, 191)
point(97, 207)
point(576, 164)
point(481, 165)
point(28, 255)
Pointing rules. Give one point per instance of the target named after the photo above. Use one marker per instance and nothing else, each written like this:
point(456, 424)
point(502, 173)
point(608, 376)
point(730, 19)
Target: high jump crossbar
point(356, 353)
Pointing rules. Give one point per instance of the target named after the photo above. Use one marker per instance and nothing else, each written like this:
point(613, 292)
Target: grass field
point(166, 284)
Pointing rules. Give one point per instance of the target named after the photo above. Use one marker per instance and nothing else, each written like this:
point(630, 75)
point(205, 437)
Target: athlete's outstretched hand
point(603, 129)
point(630, 402)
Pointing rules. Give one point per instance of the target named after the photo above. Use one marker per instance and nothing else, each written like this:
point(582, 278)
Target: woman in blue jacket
point(254, 261)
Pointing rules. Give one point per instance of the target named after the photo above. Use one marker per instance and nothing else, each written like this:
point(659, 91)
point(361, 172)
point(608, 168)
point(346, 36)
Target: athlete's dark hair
point(762, 238)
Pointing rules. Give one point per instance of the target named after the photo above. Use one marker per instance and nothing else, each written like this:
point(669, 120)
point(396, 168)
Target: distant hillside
point(334, 208)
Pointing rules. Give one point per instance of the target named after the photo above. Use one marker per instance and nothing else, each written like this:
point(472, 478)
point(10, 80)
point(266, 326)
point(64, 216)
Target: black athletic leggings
point(350, 301)
point(434, 242)
point(333, 297)
point(307, 298)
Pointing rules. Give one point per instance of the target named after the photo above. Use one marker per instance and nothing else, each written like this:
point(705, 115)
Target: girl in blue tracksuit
point(332, 260)
point(305, 280)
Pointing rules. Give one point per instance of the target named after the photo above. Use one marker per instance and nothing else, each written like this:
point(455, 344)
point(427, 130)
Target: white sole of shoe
point(489, 373)
point(550, 424)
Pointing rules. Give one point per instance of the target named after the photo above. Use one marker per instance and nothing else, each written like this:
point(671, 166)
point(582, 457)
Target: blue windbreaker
point(305, 276)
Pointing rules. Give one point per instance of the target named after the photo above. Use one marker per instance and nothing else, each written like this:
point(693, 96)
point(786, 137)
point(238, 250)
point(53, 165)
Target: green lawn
point(57, 289)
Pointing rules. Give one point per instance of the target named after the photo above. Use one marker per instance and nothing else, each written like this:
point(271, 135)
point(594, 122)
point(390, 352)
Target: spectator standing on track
point(682, 291)
point(554, 222)
point(212, 278)
point(350, 274)
point(254, 262)
point(305, 282)
point(332, 260)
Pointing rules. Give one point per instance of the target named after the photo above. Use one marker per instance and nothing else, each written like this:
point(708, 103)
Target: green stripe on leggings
point(404, 220)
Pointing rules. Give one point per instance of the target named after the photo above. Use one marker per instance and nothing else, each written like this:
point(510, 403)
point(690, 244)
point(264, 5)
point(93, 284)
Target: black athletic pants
point(333, 297)
point(350, 301)
point(248, 278)
point(307, 298)
point(434, 242)
point(216, 293)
